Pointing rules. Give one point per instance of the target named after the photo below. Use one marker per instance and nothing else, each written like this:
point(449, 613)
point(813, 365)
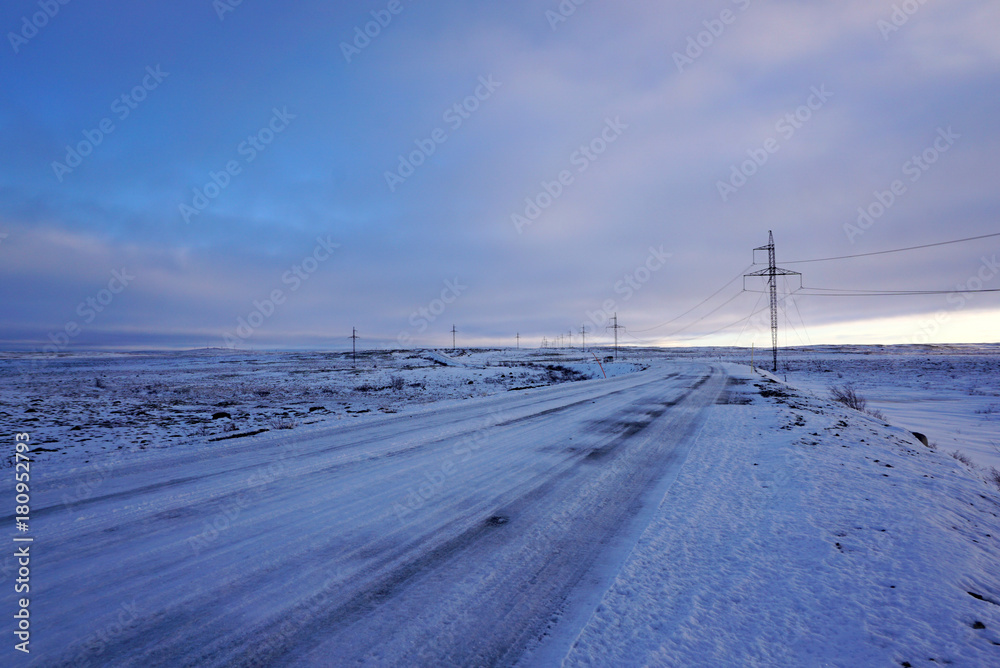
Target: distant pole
point(517, 339)
point(615, 327)
point(354, 347)
point(571, 338)
point(453, 331)
point(583, 337)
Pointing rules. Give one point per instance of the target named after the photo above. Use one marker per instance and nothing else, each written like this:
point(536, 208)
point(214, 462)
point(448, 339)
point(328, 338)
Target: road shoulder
point(802, 533)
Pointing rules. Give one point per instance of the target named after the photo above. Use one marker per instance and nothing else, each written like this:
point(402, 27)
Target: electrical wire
point(892, 294)
point(810, 292)
point(699, 304)
point(894, 250)
point(881, 293)
point(733, 324)
point(849, 292)
point(748, 319)
point(808, 340)
point(716, 309)
point(690, 325)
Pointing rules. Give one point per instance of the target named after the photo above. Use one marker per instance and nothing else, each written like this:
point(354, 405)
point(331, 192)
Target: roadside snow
point(949, 393)
point(83, 406)
point(796, 532)
point(800, 533)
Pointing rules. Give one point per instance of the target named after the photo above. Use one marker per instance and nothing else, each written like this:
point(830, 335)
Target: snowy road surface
point(479, 533)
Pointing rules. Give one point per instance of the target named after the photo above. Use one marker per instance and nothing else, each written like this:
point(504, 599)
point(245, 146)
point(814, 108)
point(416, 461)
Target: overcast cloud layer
point(269, 175)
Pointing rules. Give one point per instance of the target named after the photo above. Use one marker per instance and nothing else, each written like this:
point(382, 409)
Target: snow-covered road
point(480, 532)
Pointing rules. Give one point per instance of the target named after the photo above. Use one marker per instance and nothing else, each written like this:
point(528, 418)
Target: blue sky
point(589, 164)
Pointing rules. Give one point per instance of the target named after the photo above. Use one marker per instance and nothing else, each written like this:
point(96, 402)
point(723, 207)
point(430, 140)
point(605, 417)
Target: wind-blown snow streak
point(807, 536)
point(315, 547)
point(687, 514)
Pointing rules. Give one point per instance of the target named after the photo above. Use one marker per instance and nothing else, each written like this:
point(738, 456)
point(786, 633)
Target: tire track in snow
point(433, 582)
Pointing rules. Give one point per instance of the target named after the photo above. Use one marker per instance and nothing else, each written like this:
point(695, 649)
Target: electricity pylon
point(354, 347)
point(772, 272)
point(615, 327)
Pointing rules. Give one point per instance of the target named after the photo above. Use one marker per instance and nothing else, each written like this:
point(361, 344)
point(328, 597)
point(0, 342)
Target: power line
point(893, 294)
point(691, 324)
point(615, 327)
point(733, 324)
point(694, 338)
point(716, 309)
point(835, 292)
point(808, 340)
point(735, 278)
point(896, 250)
point(748, 319)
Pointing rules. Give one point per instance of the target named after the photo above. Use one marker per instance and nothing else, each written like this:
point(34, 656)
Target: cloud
point(656, 184)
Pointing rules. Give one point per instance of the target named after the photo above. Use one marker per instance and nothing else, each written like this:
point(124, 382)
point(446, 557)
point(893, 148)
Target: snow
point(949, 393)
point(82, 405)
point(508, 507)
point(803, 536)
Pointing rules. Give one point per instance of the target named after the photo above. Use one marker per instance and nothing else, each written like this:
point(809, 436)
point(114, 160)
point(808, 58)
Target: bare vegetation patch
point(961, 456)
point(847, 395)
point(282, 422)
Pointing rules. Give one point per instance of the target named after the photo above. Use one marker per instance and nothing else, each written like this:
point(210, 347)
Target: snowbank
point(800, 533)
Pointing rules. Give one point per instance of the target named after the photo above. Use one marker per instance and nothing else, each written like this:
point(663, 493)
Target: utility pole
point(583, 336)
point(354, 346)
point(570, 338)
point(518, 339)
point(615, 327)
point(772, 272)
point(453, 331)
